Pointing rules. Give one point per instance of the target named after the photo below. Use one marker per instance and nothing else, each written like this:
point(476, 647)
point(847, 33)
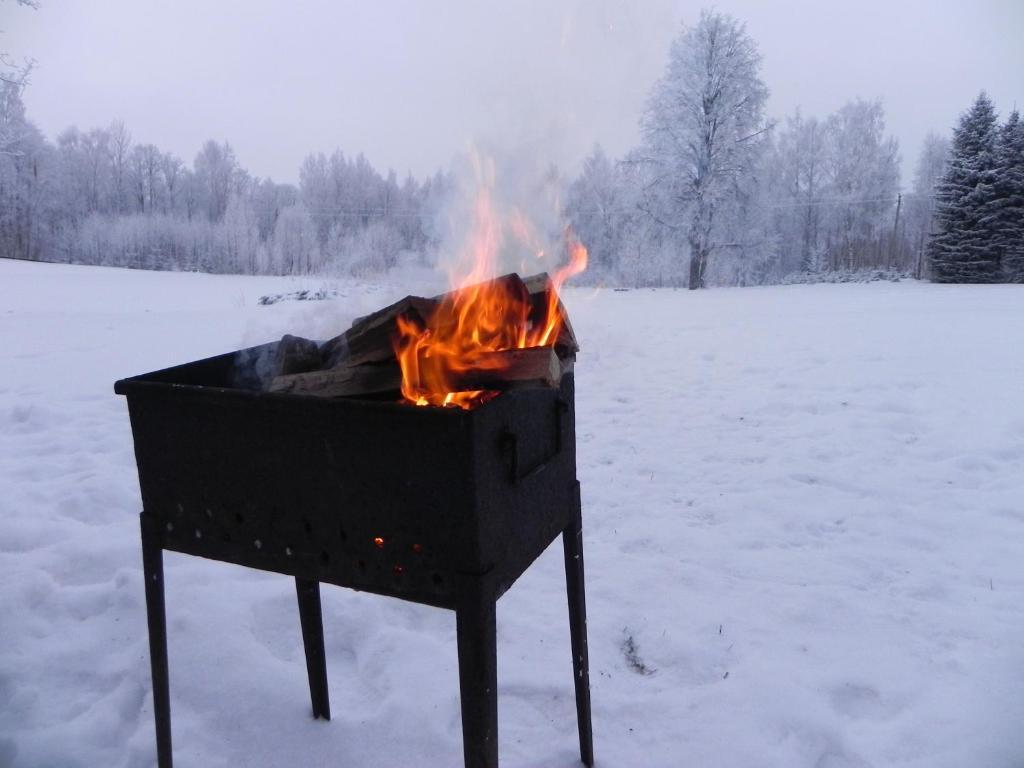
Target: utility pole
point(895, 227)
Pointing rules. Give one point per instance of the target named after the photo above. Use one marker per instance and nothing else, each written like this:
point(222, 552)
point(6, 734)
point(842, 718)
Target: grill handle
point(509, 446)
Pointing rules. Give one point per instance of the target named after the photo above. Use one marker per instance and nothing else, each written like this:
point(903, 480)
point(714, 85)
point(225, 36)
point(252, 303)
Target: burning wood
point(528, 342)
point(508, 368)
point(480, 318)
point(540, 287)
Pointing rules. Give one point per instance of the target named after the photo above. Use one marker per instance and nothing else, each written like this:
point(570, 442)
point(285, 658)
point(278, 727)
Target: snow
point(803, 514)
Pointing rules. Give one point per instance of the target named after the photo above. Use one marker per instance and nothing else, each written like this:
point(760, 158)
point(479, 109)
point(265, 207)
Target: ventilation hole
point(239, 518)
point(199, 534)
point(325, 559)
point(307, 527)
point(258, 544)
point(209, 514)
point(170, 526)
point(288, 551)
point(436, 578)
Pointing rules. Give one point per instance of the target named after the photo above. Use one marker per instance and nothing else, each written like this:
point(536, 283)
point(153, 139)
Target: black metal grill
point(445, 507)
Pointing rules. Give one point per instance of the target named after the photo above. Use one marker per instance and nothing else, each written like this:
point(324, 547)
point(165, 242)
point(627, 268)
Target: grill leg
point(572, 542)
point(478, 676)
point(153, 571)
point(311, 619)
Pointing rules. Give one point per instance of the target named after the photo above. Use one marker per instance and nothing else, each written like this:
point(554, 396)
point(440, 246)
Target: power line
point(392, 214)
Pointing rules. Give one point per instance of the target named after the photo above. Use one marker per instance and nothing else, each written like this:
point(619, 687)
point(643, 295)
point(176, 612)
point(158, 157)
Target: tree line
point(715, 193)
point(96, 197)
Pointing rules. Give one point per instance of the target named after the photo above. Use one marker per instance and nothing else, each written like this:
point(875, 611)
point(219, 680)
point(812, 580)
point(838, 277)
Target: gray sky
point(412, 83)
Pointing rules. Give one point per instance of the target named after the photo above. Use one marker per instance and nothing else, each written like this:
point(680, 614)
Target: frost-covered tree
point(745, 248)
point(1007, 209)
point(268, 200)
point(863, 180)
point(119, 148)
point(173, 171)
point(145, 178)
point(826, 196)
point(964, 250)
point(95, 197)
point(797, 186)
point(217, 175)
point(595, 207)
point(931, 166)
point(294, 250)
point(27, 181)
point(14, 76)
point(240, 236)
point(701, 129)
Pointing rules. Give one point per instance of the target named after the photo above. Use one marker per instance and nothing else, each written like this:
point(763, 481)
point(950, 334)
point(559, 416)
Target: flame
point(481, 315)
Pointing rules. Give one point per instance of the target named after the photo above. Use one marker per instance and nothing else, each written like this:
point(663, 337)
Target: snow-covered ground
point(804, 531)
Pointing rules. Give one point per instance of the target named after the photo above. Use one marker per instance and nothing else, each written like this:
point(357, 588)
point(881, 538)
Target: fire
point(480, 316)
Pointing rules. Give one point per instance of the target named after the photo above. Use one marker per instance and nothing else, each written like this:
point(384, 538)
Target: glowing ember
point(480, 316)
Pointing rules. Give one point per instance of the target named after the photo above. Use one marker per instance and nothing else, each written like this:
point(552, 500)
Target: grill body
point(444, 507)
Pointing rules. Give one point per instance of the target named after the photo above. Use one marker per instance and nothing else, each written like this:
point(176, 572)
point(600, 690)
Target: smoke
point(503, 215)
point(552, 95)
point(528, 92)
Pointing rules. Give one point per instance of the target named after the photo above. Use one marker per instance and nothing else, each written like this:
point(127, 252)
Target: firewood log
point(509, 368)
point(496, 371)
point(344, 381)
point(539, 287)
point(369, 340)
point(295, 354)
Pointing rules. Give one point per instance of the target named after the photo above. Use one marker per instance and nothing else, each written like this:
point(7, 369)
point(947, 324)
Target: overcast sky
point(412, 83)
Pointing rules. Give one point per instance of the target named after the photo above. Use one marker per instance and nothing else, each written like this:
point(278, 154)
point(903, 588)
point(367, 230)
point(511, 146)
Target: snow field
point(803, 514)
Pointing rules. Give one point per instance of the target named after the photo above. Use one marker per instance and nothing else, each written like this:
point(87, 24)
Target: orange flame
point(480, 316)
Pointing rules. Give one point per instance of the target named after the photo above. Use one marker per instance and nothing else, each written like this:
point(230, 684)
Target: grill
point(445, 507)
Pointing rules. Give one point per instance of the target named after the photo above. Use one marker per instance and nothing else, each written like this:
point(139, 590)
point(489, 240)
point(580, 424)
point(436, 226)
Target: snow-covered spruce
point(964, 250)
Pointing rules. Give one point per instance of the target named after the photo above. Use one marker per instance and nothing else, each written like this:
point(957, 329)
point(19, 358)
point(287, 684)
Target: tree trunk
point(694, 282)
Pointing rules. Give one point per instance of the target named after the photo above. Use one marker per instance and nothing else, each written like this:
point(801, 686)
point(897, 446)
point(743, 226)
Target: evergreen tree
point(1007, 210)
point(965, 249)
